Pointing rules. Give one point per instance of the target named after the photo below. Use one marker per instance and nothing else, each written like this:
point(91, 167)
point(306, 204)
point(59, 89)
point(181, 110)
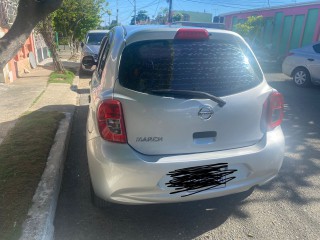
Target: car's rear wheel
point(96, 201)
point(301, 77)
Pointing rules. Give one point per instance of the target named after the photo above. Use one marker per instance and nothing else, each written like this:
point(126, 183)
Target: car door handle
point(310, 59)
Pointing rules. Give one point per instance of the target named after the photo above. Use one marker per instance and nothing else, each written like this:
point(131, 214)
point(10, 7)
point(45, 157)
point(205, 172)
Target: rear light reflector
point(274, 111)
point(191, 34)
point(111, 121)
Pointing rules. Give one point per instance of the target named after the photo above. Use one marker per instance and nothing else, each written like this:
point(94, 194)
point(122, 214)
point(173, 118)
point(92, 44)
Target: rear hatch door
point(157, 79)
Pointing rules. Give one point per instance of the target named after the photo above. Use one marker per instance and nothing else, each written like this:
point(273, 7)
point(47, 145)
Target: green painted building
point(286, 27)
point(195, 16)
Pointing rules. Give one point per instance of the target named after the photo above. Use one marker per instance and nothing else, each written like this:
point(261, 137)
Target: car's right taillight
point(273, 108)
point(111, 121)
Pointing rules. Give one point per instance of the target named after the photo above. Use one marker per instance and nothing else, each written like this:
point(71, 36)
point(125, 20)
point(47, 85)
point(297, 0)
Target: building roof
point(272, 8)
point(196, 16)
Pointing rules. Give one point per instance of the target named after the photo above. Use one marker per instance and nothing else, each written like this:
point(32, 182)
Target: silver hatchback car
point(180, 114)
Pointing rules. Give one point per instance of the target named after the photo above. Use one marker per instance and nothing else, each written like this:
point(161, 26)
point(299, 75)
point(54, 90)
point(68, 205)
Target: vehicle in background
point(303, 65)
point(90, 47)
point(180, 114)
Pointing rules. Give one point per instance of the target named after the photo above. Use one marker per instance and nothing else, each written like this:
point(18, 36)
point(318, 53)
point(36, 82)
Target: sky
point(215, 7)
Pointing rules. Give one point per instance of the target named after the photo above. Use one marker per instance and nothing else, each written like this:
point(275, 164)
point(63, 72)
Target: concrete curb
point(39, 223)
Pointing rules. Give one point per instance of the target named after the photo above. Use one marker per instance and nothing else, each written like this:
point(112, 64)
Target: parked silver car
point(180, 114)
point(90, 48)
point(303, 65)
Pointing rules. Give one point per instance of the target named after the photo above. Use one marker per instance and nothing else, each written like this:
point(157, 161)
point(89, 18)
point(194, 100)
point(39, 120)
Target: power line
point(149, 5)
point(156, 11)
point(178, 4)
point(130, 2)
point(129, 16)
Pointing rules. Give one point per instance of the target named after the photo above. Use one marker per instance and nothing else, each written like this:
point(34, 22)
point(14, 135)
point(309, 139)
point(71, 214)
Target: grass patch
point(23, 156)
point(66, 77)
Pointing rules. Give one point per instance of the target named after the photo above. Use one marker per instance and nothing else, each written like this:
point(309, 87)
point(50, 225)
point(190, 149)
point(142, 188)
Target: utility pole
point(117, 17)
point(170, 12)
point(135, 11)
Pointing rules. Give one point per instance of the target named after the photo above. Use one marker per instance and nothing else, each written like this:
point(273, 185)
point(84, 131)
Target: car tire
point(96, 201)
point(301, 77)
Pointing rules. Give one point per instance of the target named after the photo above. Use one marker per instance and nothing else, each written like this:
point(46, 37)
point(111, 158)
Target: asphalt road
point(286, 208)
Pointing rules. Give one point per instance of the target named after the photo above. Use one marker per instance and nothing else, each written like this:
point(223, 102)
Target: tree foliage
point(162, 17)
point(75, 18)
point(141, 17)
point(46, 30)
point(177, 17)
point(251, 29)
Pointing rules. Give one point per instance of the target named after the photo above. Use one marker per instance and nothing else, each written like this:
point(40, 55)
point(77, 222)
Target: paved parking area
point(286, 208)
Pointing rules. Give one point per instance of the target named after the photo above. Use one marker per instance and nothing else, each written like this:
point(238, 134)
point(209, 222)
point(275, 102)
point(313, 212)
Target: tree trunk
point(77, 46)
point(29, 14)
point(45, 28)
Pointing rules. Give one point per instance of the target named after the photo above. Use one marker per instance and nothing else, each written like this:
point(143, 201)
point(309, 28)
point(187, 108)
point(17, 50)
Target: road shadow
point(77, 218)
point(75, 212)
point(271, 67)
point(301, 127)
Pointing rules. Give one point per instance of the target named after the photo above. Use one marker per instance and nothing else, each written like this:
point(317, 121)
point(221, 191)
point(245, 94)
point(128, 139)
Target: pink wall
point(295, 10)
point(317, 33)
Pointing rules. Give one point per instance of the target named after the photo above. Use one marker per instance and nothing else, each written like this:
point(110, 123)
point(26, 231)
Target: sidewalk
point(30, 93)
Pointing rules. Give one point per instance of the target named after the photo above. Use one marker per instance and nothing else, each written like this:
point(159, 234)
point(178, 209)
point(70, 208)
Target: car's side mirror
point(82, 44)
point(89, 62)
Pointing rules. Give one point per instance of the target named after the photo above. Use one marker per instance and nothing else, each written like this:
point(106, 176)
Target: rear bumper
point(120, 174)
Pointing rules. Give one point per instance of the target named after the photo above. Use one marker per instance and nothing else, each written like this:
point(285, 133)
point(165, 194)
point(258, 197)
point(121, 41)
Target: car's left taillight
point(111, 121)
point(273, 110)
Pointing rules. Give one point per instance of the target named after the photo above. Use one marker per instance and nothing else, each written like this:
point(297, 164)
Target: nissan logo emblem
point(205, 112)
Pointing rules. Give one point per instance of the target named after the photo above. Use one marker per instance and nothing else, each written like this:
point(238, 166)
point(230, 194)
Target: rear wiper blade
point(190, 94)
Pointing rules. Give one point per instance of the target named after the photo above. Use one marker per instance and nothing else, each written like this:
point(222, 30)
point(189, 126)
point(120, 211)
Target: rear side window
point(95, 38)
point(214, 66)
point(316, 48)
point(103, 53)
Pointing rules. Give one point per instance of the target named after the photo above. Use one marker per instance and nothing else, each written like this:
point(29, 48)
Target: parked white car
point(180, 114)
point(303, 65)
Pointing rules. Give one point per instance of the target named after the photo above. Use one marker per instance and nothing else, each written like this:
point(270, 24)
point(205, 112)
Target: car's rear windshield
point(214, 66)
point(95, 38)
